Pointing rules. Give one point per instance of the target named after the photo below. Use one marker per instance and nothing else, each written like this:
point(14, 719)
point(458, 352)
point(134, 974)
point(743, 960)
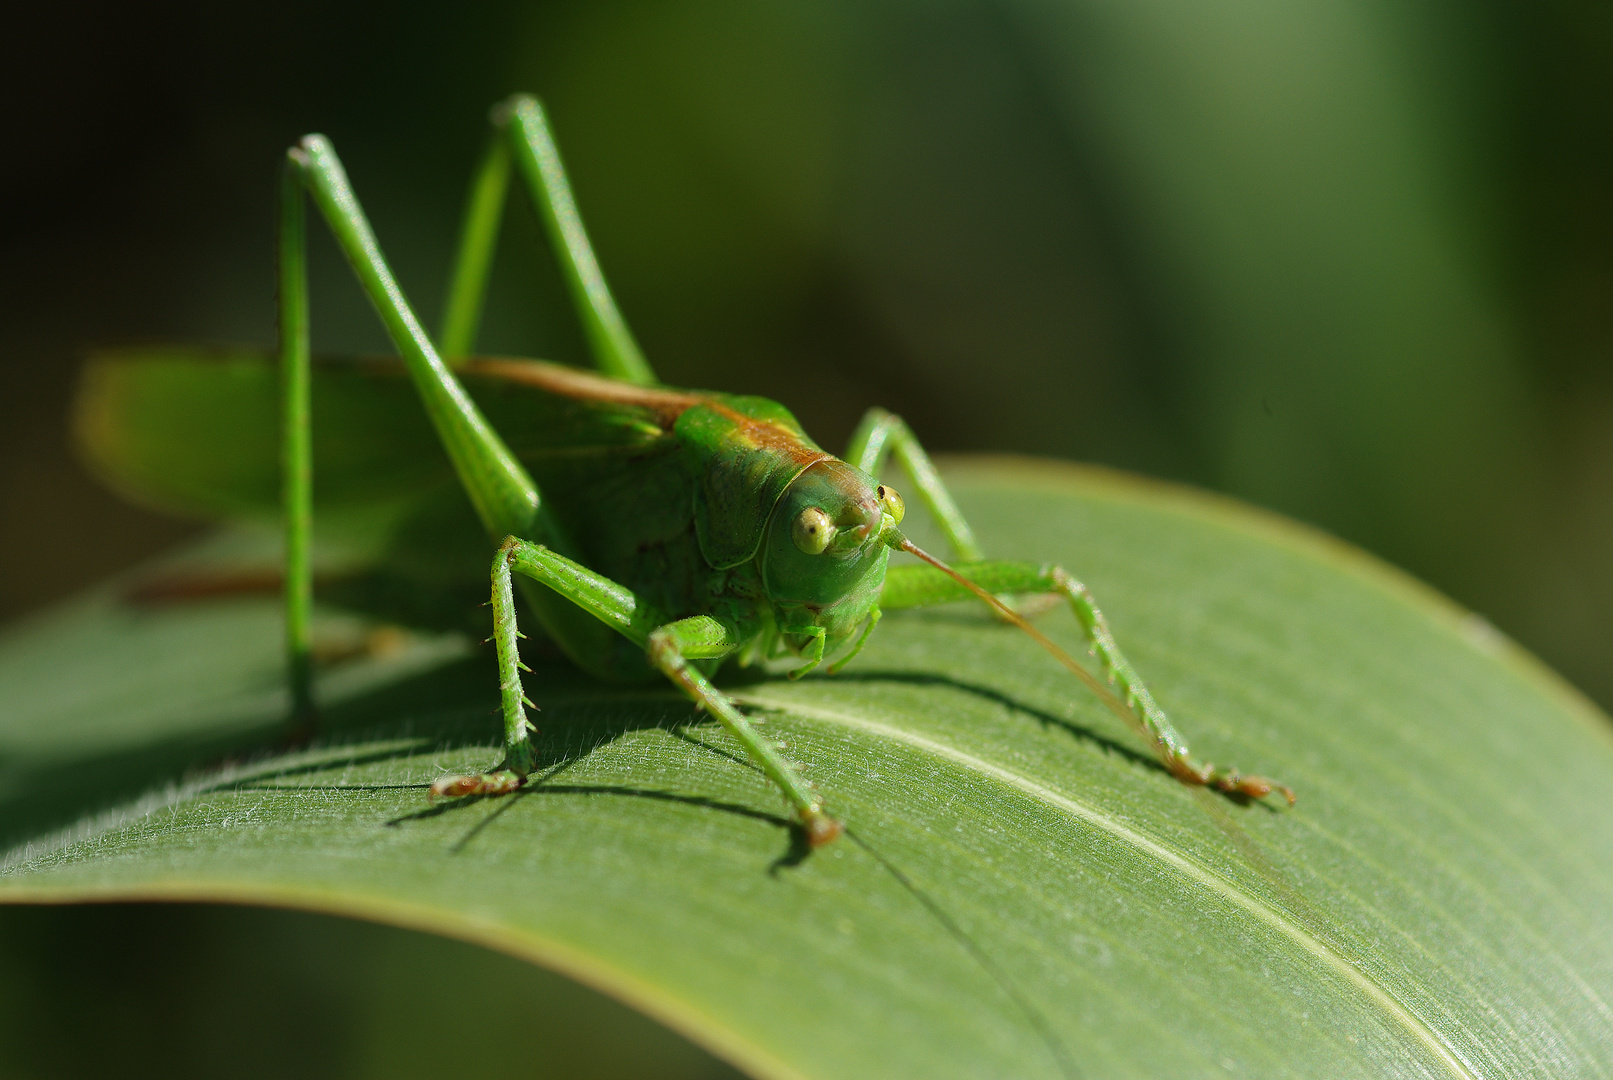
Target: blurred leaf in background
point(256, 994)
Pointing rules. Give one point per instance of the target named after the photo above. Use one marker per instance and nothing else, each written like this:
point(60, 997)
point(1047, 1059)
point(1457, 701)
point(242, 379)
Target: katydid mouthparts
point(655, 533)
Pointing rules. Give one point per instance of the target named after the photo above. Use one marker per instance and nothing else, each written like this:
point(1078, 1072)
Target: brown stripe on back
point(584, 385)
point(765, 434)
point(668, 405)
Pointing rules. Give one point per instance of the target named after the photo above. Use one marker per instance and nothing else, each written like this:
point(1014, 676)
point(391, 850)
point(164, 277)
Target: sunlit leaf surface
point(1022, 893)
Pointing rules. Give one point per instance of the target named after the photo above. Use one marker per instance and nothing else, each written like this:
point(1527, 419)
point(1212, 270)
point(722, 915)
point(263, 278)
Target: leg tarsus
point(500, 782)
point(510, 776)
point(1235, 783)
point(302, 728)
point(1230, 781)
point(820, 828)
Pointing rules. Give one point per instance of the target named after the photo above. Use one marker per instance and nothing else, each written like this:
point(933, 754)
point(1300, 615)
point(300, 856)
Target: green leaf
point(1023, 891)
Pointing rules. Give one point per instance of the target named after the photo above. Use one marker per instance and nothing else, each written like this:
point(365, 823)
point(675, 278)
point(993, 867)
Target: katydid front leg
point(669, 646)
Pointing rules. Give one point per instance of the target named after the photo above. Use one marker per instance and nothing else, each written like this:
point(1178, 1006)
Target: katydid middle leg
point(669, 646)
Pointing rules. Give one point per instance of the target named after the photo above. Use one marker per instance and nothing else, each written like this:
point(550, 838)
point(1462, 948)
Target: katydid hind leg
point(296, 447)
point(918, 586)
point(522, 140)
point(669, 647)
point(478, 239)
point(505, 497)
point(537, 162)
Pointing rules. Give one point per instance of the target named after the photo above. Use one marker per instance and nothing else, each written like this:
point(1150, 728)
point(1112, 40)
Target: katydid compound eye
point(892, 502)
point(813, 531)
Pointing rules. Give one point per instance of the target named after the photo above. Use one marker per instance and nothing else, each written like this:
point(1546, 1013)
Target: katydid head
point(823, 556)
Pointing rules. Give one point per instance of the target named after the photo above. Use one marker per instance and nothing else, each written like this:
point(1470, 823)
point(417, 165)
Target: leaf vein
point(1380, 996)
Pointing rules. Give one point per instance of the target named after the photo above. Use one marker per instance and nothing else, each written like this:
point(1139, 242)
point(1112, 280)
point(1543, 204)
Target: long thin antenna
point(1173, 758)
point(1104, 694)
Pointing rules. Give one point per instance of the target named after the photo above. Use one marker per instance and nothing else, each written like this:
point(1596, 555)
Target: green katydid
point(656, 532)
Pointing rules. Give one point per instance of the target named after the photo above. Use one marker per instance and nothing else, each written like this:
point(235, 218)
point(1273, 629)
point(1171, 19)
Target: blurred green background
point(1350, 261)
point(181, 992)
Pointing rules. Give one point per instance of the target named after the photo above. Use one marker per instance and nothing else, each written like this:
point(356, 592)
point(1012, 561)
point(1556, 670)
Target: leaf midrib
point(1380, 996)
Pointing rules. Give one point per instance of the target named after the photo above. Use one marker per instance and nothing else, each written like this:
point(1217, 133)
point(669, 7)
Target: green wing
point(197, 431)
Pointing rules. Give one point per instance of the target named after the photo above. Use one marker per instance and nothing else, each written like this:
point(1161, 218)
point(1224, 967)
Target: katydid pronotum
point(678, 529)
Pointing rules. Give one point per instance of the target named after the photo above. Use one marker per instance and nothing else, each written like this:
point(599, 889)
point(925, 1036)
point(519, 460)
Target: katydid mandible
point(749, 542)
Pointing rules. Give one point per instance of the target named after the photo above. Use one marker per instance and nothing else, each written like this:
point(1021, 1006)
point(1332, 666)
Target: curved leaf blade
point(1024, 893)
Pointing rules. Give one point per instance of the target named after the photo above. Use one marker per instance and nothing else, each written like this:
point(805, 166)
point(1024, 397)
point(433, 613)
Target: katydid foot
point(509, 777)
point(498, 782)
point(1230, 781)
point(819, 827)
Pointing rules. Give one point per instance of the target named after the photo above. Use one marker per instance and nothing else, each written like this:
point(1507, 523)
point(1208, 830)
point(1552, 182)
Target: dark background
point(1350, 261)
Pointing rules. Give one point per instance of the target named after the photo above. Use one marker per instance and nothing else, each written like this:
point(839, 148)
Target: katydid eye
point(813, 531)
point(892, 502)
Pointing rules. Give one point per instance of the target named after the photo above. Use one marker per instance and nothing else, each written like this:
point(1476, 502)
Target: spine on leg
point(517, 748)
